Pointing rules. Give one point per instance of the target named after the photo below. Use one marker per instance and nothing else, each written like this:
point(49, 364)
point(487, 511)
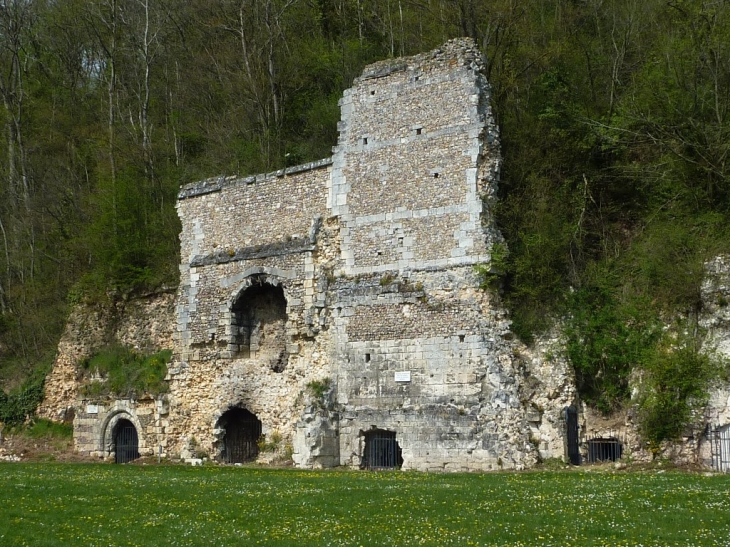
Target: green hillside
point(615, 130)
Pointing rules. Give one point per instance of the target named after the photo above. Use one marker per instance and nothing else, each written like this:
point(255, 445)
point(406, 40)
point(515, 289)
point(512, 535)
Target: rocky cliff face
point(144, 323)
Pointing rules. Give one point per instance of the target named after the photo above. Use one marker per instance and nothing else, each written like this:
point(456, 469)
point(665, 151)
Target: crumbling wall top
point(462, 50)
point(216, 184)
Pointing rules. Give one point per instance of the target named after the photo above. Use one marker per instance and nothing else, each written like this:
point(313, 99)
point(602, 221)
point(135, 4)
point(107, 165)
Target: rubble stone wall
point(145, 324)
point(338, 297)
point(374, 250)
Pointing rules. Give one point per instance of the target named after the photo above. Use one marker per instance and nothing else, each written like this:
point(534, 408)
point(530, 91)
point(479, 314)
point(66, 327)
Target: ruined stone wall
point(441, 373)
point(418, 149)
point(145, 324)
point(270, 231)
point(373, 252)
point(715, 319)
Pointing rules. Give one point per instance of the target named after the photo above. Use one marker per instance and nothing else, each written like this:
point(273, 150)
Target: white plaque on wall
point(92, 409)
point(403, 376)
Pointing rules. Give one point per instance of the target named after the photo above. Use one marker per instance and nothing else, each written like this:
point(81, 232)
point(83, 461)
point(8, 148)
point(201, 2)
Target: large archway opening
point(258, 323)
point(242, 431)
point(382, 450)
point(126, 442)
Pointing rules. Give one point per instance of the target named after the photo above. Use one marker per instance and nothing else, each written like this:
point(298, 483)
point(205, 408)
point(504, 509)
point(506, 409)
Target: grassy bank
point(53, 504)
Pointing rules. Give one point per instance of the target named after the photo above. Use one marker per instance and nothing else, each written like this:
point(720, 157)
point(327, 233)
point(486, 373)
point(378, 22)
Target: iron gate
point(126, 442)
point(240, 443)
point(571, 435)
point(604, 449)
point(720, 448)
point(381, 451)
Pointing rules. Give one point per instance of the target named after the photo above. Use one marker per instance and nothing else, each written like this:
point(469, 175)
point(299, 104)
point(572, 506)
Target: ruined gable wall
point(418, 150)
point(382, 284)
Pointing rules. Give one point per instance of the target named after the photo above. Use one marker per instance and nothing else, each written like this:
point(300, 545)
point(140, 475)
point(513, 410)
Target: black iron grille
point(126, 442)
point(381, 450)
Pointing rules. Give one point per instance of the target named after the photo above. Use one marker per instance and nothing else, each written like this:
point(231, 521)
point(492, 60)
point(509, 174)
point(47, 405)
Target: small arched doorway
point(241, 437)
point(126, 442)
point(382, 450)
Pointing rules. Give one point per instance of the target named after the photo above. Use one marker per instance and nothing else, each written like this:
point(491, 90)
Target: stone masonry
point(369, 258)
point(325, 306)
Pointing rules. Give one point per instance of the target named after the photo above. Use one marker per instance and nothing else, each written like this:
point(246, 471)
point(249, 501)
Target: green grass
point(44, 429)
point(50, 504)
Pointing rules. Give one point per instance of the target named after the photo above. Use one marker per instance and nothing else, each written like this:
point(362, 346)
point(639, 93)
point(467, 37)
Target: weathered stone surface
point(354, 272)
point(381, 297)
point(145, 324)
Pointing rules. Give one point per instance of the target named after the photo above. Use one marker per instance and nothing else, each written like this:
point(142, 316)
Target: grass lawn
point(98, 504)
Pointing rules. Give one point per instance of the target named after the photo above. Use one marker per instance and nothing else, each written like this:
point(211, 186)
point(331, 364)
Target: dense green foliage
point(605, 339)
point(21, 403)
point(121, 371)
point(677, 374)
point(165, 505)
point(615, 134)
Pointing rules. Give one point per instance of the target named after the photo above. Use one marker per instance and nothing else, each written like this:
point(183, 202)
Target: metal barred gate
point(604, 449)
point(720, 448)
point(243, 431)
point(126, 442)
point(381, 451)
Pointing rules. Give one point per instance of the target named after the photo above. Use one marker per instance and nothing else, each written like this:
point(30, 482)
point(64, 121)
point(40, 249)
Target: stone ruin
point(331, 313)
point(356, 274)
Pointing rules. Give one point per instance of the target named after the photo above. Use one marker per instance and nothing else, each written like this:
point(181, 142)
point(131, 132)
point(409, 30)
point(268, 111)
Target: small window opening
point(382, 451)
point(435, 175)
point(367, 357)
point(461, 338)
point(400, 241)
point(242, 430)
point(365, 140)
point(418, 131)
point(372, 92)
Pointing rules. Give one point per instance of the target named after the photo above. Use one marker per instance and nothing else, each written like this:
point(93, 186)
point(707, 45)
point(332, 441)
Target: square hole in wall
point(367, 357)
point(435, 175)
point(364, 140)
point(418, 131)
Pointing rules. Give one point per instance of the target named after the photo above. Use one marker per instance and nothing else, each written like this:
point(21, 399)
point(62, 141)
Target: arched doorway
point(241, 437)
point(126, 442)
point(382, 450)
point(258, 322)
